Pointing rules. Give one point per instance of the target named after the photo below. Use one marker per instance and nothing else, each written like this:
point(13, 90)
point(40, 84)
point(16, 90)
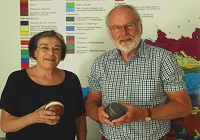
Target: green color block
point(70, 47)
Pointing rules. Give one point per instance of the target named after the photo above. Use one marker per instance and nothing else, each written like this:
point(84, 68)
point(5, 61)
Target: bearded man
point(145, 79)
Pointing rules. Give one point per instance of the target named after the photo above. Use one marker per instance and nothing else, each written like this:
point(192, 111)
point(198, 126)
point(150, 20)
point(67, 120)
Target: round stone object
point(55, 106)
point(115, 110)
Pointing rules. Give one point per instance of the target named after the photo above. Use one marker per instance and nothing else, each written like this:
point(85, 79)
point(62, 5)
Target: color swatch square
point(70, 7)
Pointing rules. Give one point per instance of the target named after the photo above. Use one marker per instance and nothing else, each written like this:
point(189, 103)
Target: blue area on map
point(85, 92)
point(192, 81)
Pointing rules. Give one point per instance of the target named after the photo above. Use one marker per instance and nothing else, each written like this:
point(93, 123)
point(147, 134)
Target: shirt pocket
point(145, 91)
point(111, 89)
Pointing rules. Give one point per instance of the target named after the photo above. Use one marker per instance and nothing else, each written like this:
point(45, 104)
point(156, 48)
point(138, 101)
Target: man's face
point(124, 29)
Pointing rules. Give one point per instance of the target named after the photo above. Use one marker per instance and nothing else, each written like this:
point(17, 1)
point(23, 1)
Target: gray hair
point(124, 6)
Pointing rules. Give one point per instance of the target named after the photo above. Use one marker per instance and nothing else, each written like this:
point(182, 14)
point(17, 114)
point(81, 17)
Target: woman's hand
point(44, 116)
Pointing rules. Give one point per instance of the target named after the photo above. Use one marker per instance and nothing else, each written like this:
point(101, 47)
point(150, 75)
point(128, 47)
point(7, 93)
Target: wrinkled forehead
point(121, 15)
point(49, 40)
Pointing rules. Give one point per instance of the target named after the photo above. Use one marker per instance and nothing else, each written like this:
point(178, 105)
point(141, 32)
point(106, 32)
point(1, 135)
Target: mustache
point(125, 38)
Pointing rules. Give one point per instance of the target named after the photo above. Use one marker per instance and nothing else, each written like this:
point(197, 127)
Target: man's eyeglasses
point(127, 27)
point(55, 50)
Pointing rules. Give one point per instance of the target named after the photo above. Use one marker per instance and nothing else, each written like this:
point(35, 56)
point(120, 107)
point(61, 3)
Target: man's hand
point(103, 116)
point(134, 113)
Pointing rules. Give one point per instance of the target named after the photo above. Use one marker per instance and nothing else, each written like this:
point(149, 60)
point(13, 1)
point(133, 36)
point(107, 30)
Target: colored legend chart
point(24, 28)
point(25, 42)
point(70, 28)
point(23, 7)
point(70, 19)
point(24, 59)
point(24, 31)
point(70, 41)
point(70, 7)
point(24, 54)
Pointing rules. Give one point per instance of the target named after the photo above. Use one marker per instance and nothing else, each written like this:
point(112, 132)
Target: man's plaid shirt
point(143, 82)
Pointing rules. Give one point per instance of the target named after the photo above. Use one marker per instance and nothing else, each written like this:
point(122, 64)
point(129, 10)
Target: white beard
point(127, 48)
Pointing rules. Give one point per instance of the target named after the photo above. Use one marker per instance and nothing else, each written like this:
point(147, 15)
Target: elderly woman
point(27, 91)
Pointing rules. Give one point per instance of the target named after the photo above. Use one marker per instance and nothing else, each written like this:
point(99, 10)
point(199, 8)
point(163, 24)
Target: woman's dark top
point(22, 96)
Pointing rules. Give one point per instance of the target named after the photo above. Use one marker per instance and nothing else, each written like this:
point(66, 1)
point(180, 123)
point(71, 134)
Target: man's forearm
point(92, 110)
point(170, 111)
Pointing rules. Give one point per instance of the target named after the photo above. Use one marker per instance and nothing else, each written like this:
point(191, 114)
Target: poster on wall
point(171, 25)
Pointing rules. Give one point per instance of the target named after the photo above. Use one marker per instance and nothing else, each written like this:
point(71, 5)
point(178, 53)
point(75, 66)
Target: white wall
point(10, 45)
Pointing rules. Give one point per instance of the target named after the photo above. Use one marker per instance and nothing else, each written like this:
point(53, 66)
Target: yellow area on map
point(197, 134)
point(186, 61)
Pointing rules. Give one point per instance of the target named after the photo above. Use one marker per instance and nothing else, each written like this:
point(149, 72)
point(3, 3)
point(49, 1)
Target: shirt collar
point(142, 51)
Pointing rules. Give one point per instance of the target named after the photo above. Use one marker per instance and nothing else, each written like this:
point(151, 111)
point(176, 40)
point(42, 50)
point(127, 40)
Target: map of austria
point(193, 83)
point(187, 53)
point(191, 46)
point(186, 61)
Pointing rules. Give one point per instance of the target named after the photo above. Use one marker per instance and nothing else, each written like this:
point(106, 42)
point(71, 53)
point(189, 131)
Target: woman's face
point(48, 52)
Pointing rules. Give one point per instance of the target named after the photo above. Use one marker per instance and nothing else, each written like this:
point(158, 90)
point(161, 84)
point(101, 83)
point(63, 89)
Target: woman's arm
point(10, 123)
point(81, 127)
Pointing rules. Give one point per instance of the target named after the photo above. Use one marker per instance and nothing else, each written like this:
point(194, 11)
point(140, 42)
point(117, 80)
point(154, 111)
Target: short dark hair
point(32, 46)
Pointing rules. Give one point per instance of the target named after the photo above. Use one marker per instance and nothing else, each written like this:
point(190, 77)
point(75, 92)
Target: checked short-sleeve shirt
point(143, 82)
